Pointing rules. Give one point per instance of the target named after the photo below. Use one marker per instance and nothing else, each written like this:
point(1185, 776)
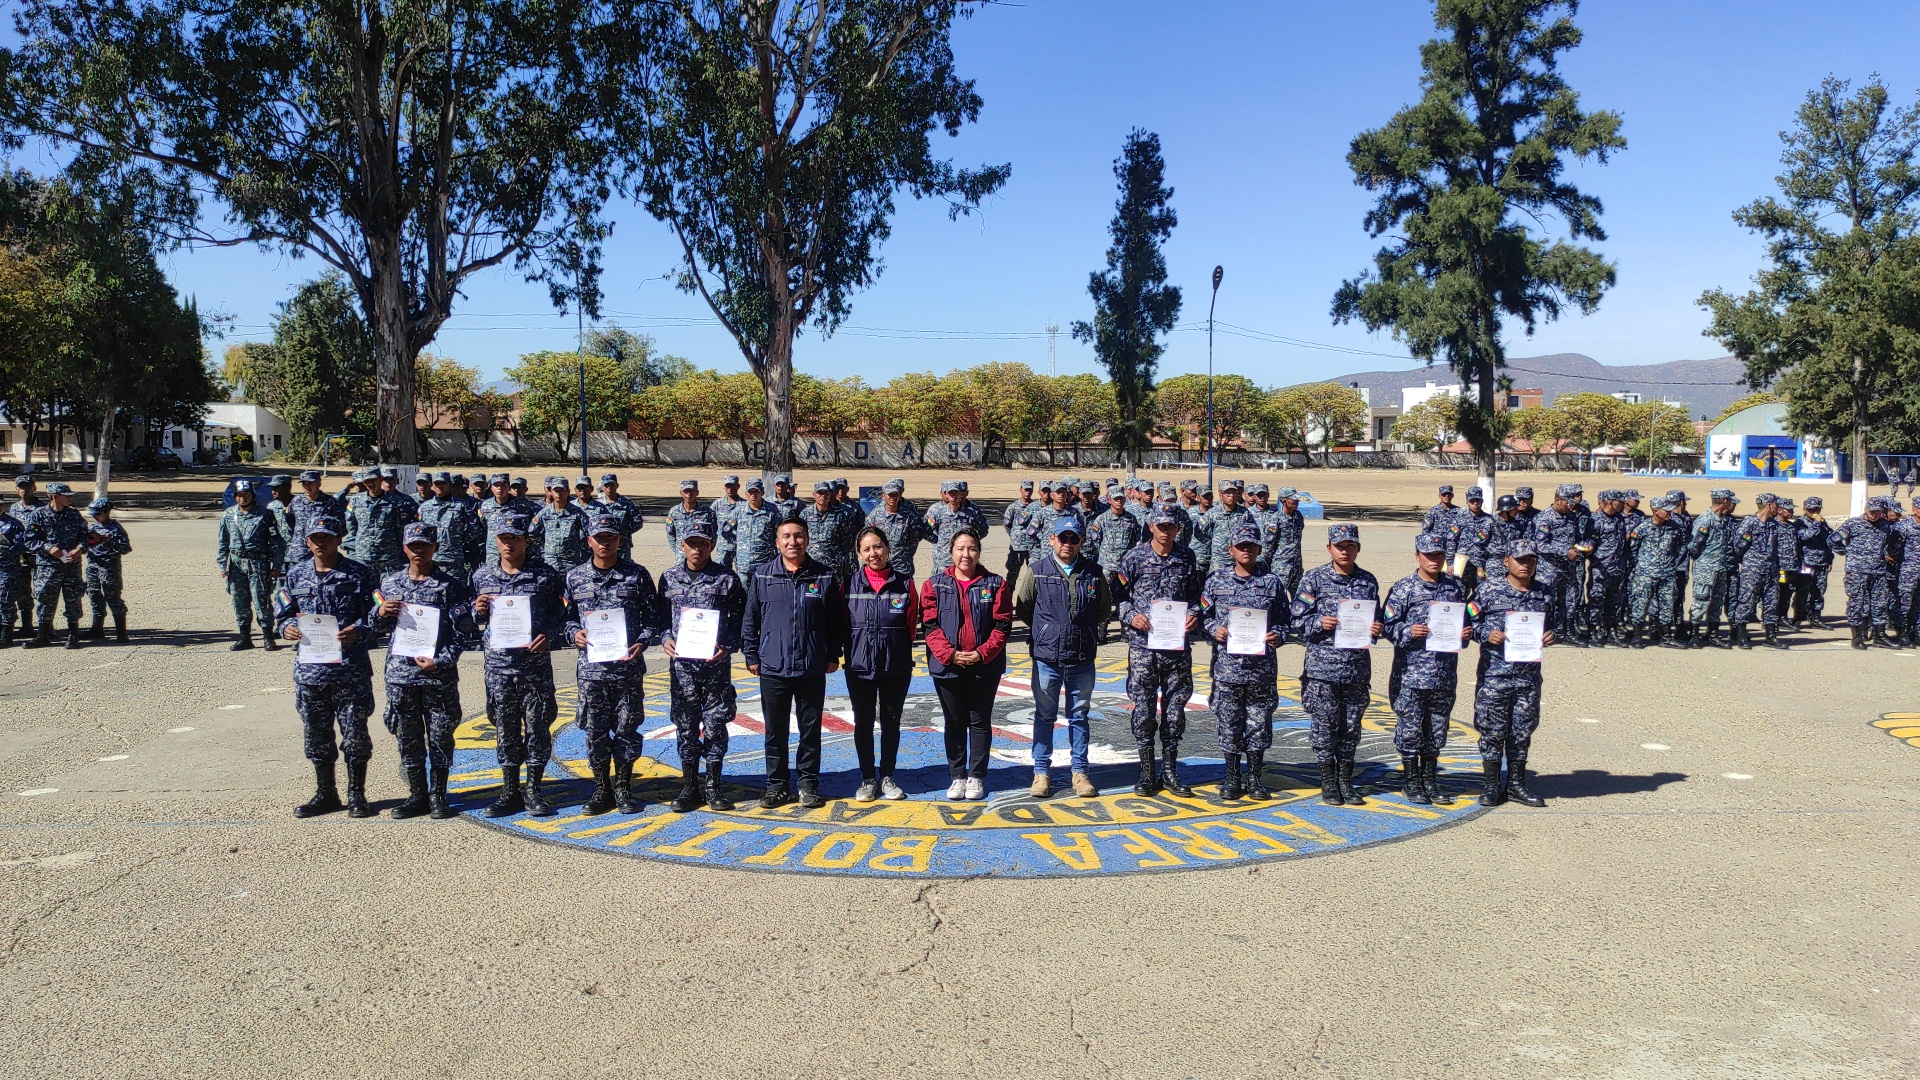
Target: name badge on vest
point(899, 603)
point(813, 590)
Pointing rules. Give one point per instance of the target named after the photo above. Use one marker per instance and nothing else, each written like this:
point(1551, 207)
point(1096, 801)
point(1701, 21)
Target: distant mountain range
point(1707, 386)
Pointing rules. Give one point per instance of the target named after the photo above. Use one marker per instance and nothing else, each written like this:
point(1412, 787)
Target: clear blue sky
point(1255, 103)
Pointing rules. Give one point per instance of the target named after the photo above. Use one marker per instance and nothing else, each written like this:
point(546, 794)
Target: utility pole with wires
point(1052, 332)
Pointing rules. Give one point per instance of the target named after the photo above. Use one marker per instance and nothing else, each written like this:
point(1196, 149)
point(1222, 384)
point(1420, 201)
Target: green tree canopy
point(1430, 424)
point(550, 395)
point(318, 373)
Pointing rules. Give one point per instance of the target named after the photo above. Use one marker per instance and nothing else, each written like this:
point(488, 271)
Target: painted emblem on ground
point(1008, 834)
point(1904, 726)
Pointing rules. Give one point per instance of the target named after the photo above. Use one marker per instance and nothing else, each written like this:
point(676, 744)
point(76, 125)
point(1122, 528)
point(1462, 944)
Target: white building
point(269, 433)
point(1414, 395)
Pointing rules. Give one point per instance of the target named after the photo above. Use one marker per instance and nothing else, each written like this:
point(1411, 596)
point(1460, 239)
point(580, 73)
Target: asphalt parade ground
point(1721, 885)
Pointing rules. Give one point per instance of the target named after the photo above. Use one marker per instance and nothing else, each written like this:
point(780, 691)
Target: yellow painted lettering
point(777, 854)
point(822, 855)
point(905, 854)
point(1241, 832)
point(1078, 851)
point(695, 847)
point(1193, 843)
point(1151, 854)
point(1297, 827)
point(641, 831)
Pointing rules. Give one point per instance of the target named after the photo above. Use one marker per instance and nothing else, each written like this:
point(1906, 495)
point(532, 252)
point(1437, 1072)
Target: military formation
point(471, 563)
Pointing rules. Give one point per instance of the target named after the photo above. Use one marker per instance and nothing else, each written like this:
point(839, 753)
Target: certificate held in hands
point(606, 635)
point(416, 631)
point(1445, 619)
point(698, 635)
point(1246, 631)
point(319, 640)
point(1524, 631)
point(1168, 632)
point(1356, 625)
point(510, 622)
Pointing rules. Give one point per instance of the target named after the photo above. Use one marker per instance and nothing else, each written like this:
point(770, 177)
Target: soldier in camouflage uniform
point(1503, 528)
point(559, 530)
point(280, 486)
point(57, 535)
point(953, 516)
point(1159, 682)
point(1869, 544)
point(1609, 570)
point(1139, 503)
point(1443, 519)
point(583, 495)
point(1657, 549)
point(1423, 681)
point(423, 692)
point(1088, 496)
point(353, 501)
point(750, 530)
point(1816, 558)
point(904, 526)
point(678, 516)
point(1906, 578)
point(311, 503)
point(1014, 520)
point(1280, 539)
point(1682, 629)
point(387, 516)
point(1710, 552)
point(829, 540)
point(1527, 511)
point(1334, 682)
point(1243, 697)
point(107, 540)
point(1040, 518)
point(1221, 520)
point(250, 551)
point(722, 508)
point(458, 529)
point(20, 595)
point(520, 696)
point(13, 546)
point(501, 499)
point(1757, 575)
point(783, 498)
point(612, 695)
point(336, 694)
point(631, 519)
point(1473, 534)
point(1560, 537)
point(1506, 701)
point(1112, 534)
point(703, 694)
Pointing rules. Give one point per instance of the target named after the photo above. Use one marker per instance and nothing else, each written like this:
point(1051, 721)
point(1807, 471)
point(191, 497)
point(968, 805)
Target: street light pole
point(583, 415)
point(1217, 275)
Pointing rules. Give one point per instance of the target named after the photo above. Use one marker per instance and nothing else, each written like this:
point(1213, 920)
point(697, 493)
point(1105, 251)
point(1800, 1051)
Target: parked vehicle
point(154, 458)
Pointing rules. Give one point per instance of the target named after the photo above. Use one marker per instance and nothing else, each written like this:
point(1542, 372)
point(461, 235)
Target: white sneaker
point(869, 791)
point(891, 790)
point(976, 790)
point(957, 790)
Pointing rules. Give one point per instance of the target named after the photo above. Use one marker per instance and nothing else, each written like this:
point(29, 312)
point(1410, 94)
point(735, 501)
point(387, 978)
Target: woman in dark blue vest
point(968, 613)
point(882, 618)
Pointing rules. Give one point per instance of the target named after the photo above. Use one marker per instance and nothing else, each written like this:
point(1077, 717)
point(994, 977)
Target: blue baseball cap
point(1068, 523)
point(419, 532)
point(512, 523)
point(279, 480)
point(1523, 493)
point(609, 478)
point(893, 487)
point(1522, 549)
point(1163, 514)
point(822, 487)
point(1246, 532)
point(98, 505)
point(310, 476)
point(325, 525)
point(1430, 544)
point(697, 527)
point(497, 478)
point(601, 524)
point(59, 488)
point(1474, 493)
point(1343, 532)
point(1446, 489)
point(754, 483)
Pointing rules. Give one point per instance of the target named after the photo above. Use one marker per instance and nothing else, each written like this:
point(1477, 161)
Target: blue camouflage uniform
point(1658, 550)
point(301, 514)
point(948, 522)
point(521, 703)
point(1219, 528)
point(703, 694)
point(1554, 534)
point(1816, 557)
point(381, 526)
point(1905, 608)
point(106, 542)
point(54, 581)
point(1423, 682)
point(249, 551)
point(1501, 533)
point(1868, 547)
point(1243, 696)
point(1443, 521)
point(1110, 536)
point(423, 706)
point(1758, 575)
point(612, 700)
point(905, 529)
point(1506, 701)
point(751, 533)
point(558, 536)
point(13, 545)
point(282, 512)
point(330, 696)
point(623, 508)
point(829, 540)
point(1608, 571)
point(1334, 683)
point(1281, 542)
point(20, 596)
point(1040, 519)
point(461, 534)
point(722, 509)
point(1159, 682)
point(677, 517)
point(1473, 534)
point(490, 510)
point(1014, 520)
point(1710, 553)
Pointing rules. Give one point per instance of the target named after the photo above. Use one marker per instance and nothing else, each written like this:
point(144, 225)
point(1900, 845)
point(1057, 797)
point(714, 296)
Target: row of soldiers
point(1621, 576)
point(42, 545)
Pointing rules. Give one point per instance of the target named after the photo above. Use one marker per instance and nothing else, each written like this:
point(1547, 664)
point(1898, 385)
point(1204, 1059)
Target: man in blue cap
point(559, 531)
point(677, 516)
point(1159, 680)
point(1474, 534)
point(953, 516)
point(1607, 579)
point(1816, 556)
point(280, 492)
point(1110, 535)
point(13, 544)
point(1757, 578)
point(1506, 699)
point(1682, 629)
point(459, 530)
point(312, 502)
point(1014, 520)
point(1869, 544)
point(1906, 579)
point(1281, 540)
point(501, 499)
point(1424, 679)
point(783, 500)
point(905, 528)
point(829, 533)
point(1063, 599)
point(1221, 520)
point(1559, 534)
point(704, 701)
point(423, 692)
point(1040, 517)
point(1242, 696)
point(250, 552)
point(107, 540)
point(1656, 548)
point(1334, 683)
point(722, 508)
point(521, 702)
point(1710, 552)
point(57, 533)
point(631, 519)
point(1442, 519)
point(332, 692)
point(749, 530)
point(1523, 497)
point(612, 692)
point(381, 531)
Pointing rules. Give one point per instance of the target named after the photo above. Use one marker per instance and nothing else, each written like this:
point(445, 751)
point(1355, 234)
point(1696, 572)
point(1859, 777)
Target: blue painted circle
point(1010, 833)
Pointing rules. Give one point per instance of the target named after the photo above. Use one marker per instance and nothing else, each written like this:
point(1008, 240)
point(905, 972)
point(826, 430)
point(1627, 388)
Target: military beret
point(310, 476)
point(1026, 485)
point(1114, 492)
point(443, 477)
point(512, 523)
point(279, 480)
point(697, 527)
point(1677, 495)
point(1189, 485)
point(1286, 493)
point(1814, 503)
point(325, 525)
point(1720, 493)
point(1507, 502)
point(1475, 493)
point(1446, 489)
point(754, 483)
point(98, 505)
point(1246, 532)
point(1430, 544)
point(497, 478)
point(1521, 549)
point(602, 524)
point(826, 487)
point(1523, 493)
point(694, 485)
point(556, 482)
point(390, 472)
point(609, 478)
point(729, 480)
point(58, 488)
point(23, 481)
point(1068, 523)
point(1566, 491)
point(1256, 489)
point(1765, 498)
point(1164, 514)
point(420, 532)
point(1342, 533)
point(583, 481)
point(893, 487)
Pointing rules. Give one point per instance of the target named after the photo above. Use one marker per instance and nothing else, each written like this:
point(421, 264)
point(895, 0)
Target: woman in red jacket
point(968, 612)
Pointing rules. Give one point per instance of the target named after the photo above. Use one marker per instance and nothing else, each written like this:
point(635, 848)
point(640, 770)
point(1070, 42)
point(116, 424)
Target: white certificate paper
point(416, 632)
point(1169, 629)
point(606, 635)
point(1445, 619)
point(1523, 636)
point(510, 622)
point(1356, 625)
point(319, 640)
point(698, 635)
point(1247, 631)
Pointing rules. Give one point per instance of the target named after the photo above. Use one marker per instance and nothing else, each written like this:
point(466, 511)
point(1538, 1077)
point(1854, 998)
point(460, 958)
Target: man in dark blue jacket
point(793, 633)
point(1063, 599)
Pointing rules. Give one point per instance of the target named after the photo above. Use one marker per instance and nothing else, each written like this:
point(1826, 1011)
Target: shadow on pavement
point(1594, 783)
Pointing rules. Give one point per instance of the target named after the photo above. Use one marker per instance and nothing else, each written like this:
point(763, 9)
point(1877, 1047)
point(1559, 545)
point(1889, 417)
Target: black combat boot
point(716, 797)
point(1330, 784)
point(1413, 786)
point(1517, 786)
point(1773, 636)
point(1230, 783)
point(1348, 793)
point(1256, 780)
point(1633, 639)
point(623, 796)
point(1146, 785)
point(73, 635)
point(244, 641)
point(357, 790)
point(6, 632)
point(1859, 636)
point(1741, 635)
point(1491, 791)
point(267, 639)
point(1430, 772)
point(602, 799)
point(1170, 774)
point(326, 797)
point(689, 796)
point(42, 637)
point(1818, 622)
point(120, 628)
point(510, 801)
point(537, 804)
point(438, 809)
point(1884, 638)
point(94, 632)
point(416, 802)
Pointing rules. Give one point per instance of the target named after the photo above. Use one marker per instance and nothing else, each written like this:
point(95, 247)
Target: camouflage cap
point(279, 480)
point(443, 477)
point(958, 485)
point(946, 487)
point(1523, 493)
point(583, 482)
point(360, 475)
point(511, 523)
point(1026, 485)
point(1086, 487)
point(841, 482)
point(1232, 484)
point(1814, 502)
point(1446, 489)
point(325, 525)
point(754, 483)
point(1430, 544)
point(729, 480)
point(1765, 498)
point(1631, 495)
point(1677, 495)
point(1246, 532)
point(697, 527)
point(58, 488)
point(825, 487)
point(689, 485)
point(608, 478)
point(1521, 549)
point(603, 523)
point(556, 483)
point(1567, 491)
point(478, 479)
point(24, 480)
point(1475, 494)
point(1189, 485)
point(893, 487)
point(1256, 489)
point(1343, 533)
point(310, 476)
point(420, 532)
point(1286, 493)
point(497, 478)
point(1114, 492)
point(1661, 502)
point(783, 478)
point(98, 505)
point(1163, 514)
point(1783, 503)
point(423, 478)
point(1720, 493)
point(1067, 482)
point(389, 472)
point(1046, 485)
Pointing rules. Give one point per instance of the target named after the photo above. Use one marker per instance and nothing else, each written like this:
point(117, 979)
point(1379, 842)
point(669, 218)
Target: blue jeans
point(1048, 681)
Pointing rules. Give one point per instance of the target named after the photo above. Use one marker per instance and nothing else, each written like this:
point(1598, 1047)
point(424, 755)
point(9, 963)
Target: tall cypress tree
point(1133, 304)
point(1459, 174)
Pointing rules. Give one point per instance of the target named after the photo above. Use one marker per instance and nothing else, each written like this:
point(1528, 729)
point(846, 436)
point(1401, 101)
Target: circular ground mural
point(1010, 833)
